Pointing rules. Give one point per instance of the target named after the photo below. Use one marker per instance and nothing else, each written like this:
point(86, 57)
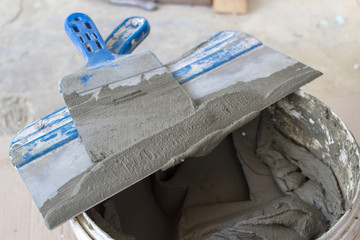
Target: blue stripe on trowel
point(209, 45)
point(212, 61)
point(47, 124)
point(181, 75)
point(65, 134)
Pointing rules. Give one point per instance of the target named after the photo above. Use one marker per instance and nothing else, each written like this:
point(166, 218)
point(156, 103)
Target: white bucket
point(347, 226)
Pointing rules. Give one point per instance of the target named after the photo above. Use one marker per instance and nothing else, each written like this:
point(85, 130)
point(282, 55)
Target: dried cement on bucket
point(293, 172)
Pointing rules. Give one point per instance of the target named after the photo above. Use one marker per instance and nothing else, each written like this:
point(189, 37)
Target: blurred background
point(35, 53)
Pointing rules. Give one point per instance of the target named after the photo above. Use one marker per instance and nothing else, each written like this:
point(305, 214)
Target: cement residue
point(209, 198)
point(199, 133)
point(155, 103)
point(325, 140)
point(299, 172)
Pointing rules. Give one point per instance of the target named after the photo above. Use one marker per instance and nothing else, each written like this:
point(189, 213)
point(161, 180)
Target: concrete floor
point(35, 53)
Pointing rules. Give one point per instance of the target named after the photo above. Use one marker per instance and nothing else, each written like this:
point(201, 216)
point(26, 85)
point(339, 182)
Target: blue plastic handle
point(128, 35)
point(85, 36)
point(123, 40)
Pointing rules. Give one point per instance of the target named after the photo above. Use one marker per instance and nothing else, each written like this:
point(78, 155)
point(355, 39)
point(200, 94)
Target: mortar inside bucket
point(291, 173)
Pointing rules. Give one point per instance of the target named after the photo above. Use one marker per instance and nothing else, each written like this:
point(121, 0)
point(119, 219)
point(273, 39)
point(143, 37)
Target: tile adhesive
point(292, 171)
point(240, 169)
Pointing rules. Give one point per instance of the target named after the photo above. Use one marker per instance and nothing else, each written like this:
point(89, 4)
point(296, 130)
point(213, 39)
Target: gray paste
point(276, 177)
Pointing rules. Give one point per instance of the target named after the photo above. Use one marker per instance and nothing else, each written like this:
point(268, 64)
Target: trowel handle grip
point(85, 36)
point(128, 35)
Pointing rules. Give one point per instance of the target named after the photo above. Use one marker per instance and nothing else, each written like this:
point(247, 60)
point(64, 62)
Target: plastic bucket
point(298, 114)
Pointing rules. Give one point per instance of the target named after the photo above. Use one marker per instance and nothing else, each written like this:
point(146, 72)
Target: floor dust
point(15, 114)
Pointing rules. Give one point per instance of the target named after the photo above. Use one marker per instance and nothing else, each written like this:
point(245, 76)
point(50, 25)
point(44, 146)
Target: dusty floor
point(35, 52)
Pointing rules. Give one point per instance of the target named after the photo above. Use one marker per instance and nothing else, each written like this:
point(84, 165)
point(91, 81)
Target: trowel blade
point(71, 183)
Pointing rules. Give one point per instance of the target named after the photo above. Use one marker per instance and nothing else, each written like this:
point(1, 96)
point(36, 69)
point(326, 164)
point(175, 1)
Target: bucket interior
point(293, 172)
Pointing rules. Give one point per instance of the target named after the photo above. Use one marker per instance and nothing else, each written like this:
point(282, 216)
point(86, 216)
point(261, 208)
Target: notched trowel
point(132, 116)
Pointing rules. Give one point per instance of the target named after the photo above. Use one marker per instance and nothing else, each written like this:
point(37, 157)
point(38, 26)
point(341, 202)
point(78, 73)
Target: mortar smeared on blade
point(293, 172)
point(135, 116)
